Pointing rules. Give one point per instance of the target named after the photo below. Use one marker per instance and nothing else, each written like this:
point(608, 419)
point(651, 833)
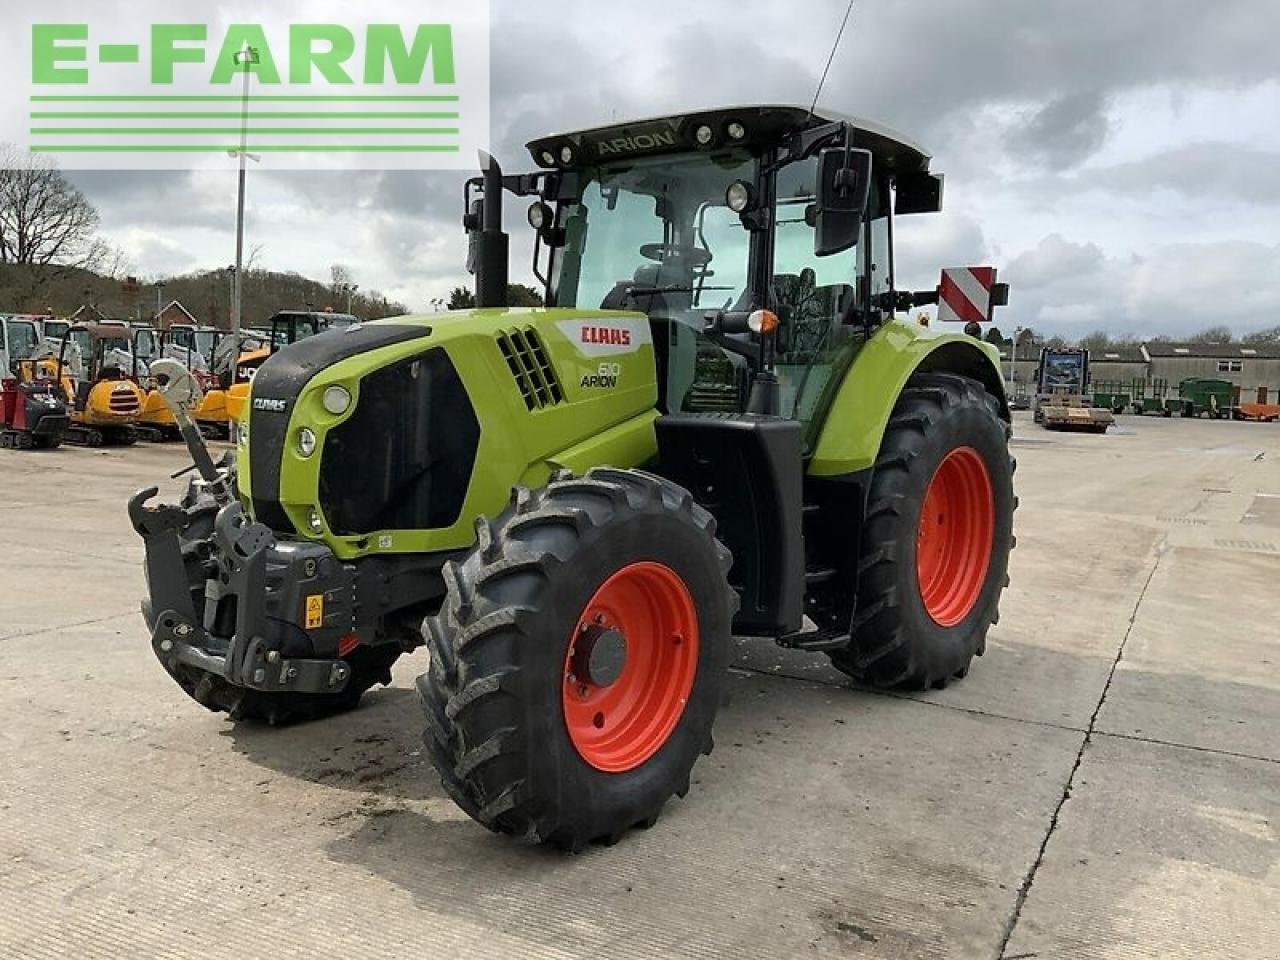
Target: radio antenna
point(834, 47)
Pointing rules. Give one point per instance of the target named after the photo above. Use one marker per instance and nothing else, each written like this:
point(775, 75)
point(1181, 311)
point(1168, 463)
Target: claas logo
point(613, 336)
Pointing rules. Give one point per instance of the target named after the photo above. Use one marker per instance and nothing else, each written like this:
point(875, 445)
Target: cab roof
point(764, 125)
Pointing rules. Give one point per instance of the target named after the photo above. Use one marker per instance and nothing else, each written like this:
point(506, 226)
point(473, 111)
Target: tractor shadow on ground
point(403, 828)
point(375, 750)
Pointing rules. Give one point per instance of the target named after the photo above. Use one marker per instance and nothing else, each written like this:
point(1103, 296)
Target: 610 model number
point(605, 377)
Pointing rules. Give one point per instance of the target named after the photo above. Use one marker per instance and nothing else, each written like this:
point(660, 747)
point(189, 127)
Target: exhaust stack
point(491, 247)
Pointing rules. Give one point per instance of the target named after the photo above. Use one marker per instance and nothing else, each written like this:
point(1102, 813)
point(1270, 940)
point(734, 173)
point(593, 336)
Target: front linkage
point(259, 627)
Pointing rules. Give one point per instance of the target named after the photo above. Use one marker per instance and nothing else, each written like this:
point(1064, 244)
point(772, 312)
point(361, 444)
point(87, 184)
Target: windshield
point(655, 235)
point(22, 339)
point(82, 340)
point(285, 332)
point(206, 341)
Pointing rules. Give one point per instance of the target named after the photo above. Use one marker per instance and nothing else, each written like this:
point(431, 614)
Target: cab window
point(22, 340)
point(815, 297)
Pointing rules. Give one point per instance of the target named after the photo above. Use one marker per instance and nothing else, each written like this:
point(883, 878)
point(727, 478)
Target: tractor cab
point(757, 240)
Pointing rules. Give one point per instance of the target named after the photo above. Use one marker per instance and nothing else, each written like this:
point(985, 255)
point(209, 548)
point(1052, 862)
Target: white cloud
point(1115, 160)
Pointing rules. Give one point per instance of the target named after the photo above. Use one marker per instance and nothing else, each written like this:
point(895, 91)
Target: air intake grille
point(528, 363)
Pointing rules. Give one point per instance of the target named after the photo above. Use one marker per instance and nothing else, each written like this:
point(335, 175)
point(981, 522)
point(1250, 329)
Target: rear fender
point(856, 421)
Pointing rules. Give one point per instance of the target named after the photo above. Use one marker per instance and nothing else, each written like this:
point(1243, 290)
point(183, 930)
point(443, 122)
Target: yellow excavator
point(93, 365)
point(155, 419)
point(287, 326)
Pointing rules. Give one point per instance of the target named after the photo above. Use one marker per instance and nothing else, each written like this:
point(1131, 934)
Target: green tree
point(461, 298)
point(994, 335)
point(518, 295)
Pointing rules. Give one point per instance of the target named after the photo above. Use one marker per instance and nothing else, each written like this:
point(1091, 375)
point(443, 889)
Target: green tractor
point(717, 426)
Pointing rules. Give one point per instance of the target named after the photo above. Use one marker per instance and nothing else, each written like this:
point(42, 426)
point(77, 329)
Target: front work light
point(566, 154)
point(736, 131)
point(336, 400)
point(704, 135)
point(540, 215)
point(740, 197)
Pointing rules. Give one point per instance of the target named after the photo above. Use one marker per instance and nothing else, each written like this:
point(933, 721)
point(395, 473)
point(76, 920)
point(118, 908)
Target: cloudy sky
point(1119, 162)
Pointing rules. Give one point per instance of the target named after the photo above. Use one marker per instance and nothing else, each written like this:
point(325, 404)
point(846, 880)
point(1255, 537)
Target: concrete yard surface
point(1104, 784)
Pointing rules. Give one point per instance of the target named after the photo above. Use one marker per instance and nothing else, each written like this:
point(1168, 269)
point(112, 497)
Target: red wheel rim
point(956, 530)
point(619, 713)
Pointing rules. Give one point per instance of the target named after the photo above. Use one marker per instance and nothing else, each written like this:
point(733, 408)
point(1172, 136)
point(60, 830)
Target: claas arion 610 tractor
point(716, 427)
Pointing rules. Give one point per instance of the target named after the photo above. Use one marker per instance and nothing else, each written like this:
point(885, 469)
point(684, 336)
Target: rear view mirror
point(844, 186)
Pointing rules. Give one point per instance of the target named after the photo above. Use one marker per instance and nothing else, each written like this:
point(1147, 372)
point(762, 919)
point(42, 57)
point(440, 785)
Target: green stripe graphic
point(261, 98)
point(220, 131)
point(274, 115)
point(252, 148)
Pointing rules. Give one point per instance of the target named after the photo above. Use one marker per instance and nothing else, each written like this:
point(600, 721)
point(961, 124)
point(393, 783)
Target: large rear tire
point(579, 658)
point(935, 547)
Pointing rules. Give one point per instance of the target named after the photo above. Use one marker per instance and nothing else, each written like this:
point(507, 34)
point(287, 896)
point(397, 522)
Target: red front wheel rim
point(956, 531)
point(630, 665)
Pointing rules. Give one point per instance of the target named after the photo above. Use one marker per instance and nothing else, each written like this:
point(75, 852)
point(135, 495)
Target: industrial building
point(1253, 369)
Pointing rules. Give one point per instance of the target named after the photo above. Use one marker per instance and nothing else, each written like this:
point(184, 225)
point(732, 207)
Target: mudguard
point(856, 420)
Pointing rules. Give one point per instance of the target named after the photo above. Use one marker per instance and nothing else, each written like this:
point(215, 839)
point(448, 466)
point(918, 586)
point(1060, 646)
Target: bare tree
point(1098, 340)
point(1218, 334)
point(1271, 335)
point(44, 219)
point(340, 276)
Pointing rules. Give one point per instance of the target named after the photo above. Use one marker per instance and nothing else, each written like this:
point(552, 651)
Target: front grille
point(282, 379)
point(403, 459)
point(533, 373)
point(123, 403)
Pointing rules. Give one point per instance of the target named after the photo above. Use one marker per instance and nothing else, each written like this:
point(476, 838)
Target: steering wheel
point(664, 252)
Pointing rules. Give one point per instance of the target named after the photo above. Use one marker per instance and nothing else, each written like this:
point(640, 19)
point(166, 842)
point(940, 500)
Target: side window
point(22, 340)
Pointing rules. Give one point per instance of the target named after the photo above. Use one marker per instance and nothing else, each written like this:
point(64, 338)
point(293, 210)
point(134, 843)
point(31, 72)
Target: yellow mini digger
point(93, 364)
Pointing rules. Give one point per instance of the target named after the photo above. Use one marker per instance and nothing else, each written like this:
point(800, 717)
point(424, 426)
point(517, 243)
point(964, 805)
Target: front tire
point(579, 658)
point(935, 547)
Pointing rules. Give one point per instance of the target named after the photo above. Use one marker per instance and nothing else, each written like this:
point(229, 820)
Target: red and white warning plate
point(965, 294)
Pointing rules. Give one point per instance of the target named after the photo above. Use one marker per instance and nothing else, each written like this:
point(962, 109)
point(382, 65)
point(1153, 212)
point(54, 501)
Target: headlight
point(548, 158)
point(314, 523)
point(566, 154)
point(539, 215)
point(736, 131)
point(740, 197)
point(704, 135)
point(336, 400)
point(306, 442)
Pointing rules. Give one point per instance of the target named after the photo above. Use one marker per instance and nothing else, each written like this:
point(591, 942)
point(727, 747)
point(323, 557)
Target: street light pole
point(246, 58)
